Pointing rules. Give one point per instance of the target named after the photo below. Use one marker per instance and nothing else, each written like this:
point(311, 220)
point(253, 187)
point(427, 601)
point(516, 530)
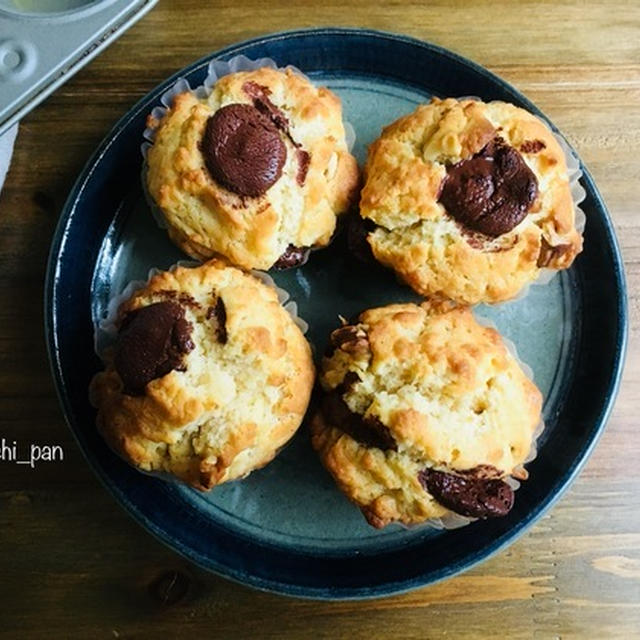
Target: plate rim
point(276, 586)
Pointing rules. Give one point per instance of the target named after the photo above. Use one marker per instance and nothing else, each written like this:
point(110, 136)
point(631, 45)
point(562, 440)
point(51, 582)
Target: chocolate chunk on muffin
point(257, 172)
point(469, 200)
point(152, 341)
point(424, 413)
point(209, 376)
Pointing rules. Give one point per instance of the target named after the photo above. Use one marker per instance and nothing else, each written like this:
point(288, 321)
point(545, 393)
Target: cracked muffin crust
point(256, 171)
point(469, 200)
point(424, 412)
point(208, 378)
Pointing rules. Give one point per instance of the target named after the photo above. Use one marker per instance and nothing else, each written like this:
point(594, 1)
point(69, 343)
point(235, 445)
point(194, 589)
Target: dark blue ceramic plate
point(286, 528)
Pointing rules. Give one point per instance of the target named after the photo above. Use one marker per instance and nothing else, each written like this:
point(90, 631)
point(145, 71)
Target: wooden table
point(75, 566)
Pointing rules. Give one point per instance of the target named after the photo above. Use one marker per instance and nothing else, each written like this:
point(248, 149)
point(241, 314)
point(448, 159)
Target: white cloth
point(6, 149)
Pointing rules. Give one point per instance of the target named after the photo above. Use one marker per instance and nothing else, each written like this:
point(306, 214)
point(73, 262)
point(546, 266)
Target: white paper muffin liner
point(454, 520)
point(106, 330)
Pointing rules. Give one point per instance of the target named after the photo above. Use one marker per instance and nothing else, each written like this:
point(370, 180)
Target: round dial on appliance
point(18, 59)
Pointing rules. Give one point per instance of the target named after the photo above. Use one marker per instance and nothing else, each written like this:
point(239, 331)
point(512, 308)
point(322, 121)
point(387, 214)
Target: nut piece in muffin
point(424, 412)
point(257, 172)
point(469, 200)
point(208, 378)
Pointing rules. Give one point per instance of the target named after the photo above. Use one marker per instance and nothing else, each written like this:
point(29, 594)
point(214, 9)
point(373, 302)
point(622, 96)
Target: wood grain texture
point(75, 566)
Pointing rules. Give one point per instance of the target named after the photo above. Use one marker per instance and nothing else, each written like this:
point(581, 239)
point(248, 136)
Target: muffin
point(208, 378)
point(469, 200)
point(257, 172)
point(424, 413)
